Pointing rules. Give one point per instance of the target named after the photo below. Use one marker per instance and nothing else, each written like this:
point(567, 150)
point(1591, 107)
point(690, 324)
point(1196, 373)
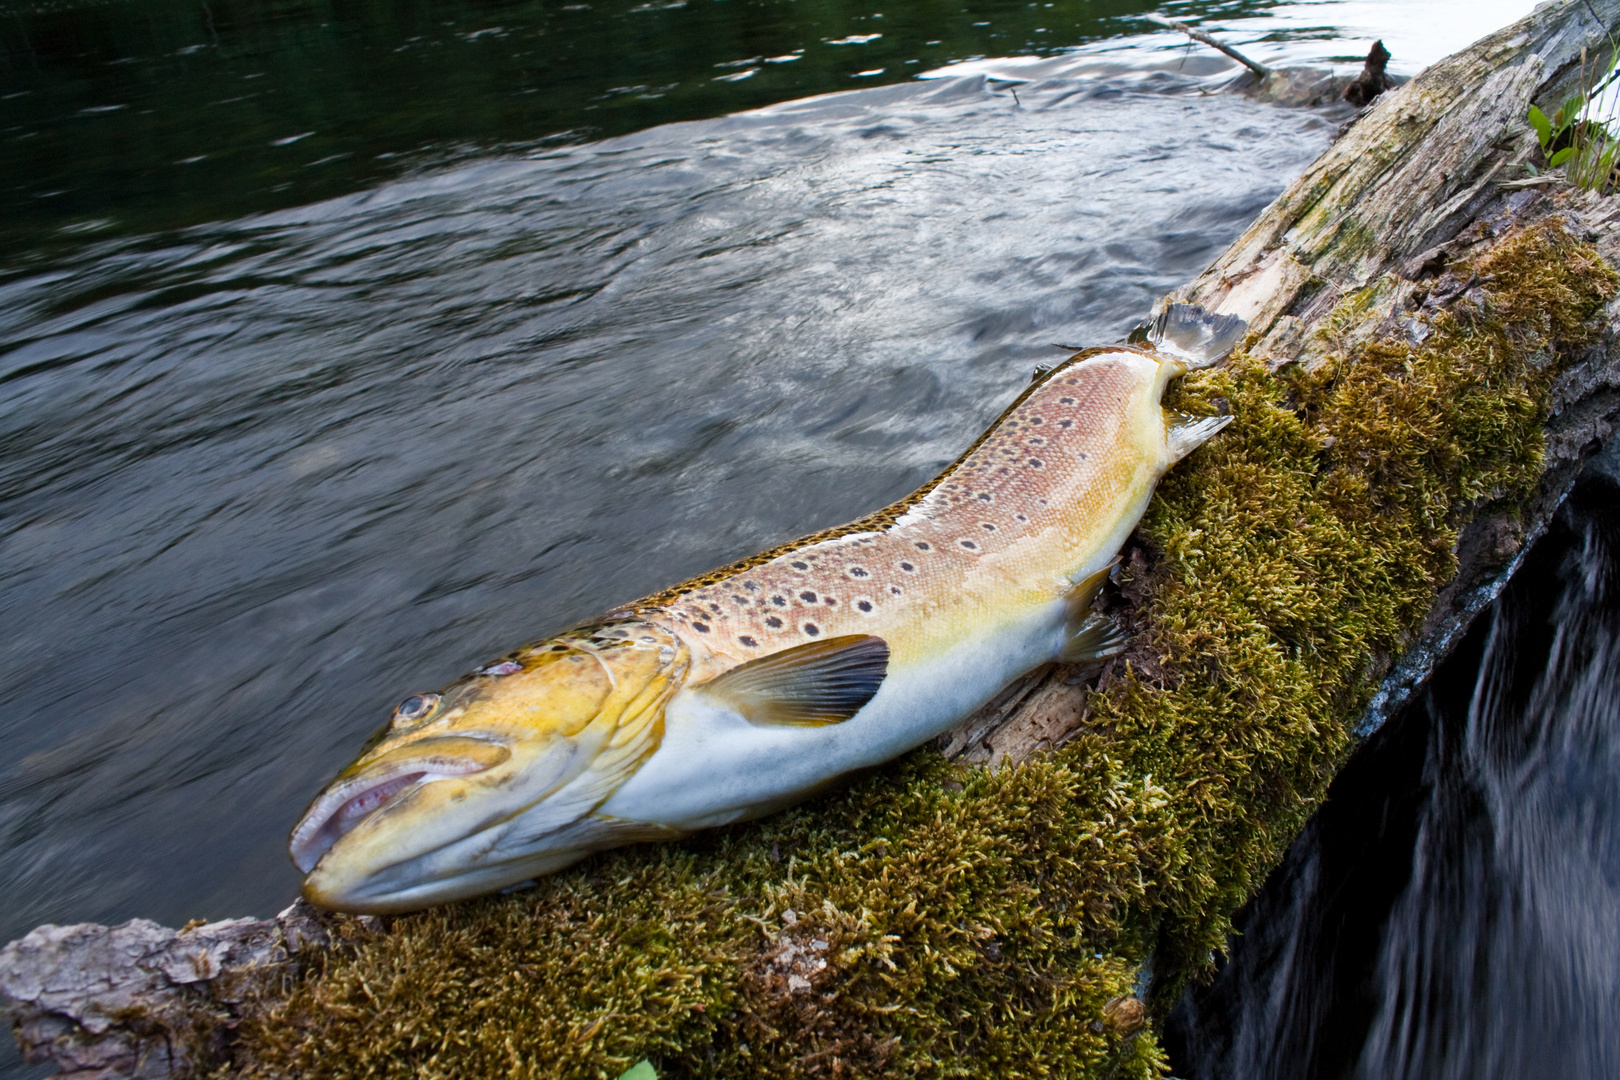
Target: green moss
point(950, 922)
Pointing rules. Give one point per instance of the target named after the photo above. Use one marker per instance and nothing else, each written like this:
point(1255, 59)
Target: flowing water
point(343, 347)
point(1450, 914)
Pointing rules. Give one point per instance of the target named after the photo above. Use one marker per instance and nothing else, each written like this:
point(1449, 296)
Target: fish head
point(475, 788)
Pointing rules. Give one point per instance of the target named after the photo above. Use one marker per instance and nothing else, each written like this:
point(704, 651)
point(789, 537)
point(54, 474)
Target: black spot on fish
point(1035, 463)
point(986, 526)
point(714, 607)
point(1066, 401)
point(773, 622)
point(702, 628)
point(970, 545)
point(799, 565)
point(1065, 423)
point(750, 586)
point(559, 648)
point(1037, 441)
point(748, 641)
point(857, 571)
point(830, 601)
point(743, 600)
point(1021, 517)
point(1036, 421)
point(895, 589)
point(779, 601)
point(812, 629)
point(864, 605)
point(923, 545)
point(907, 567)
point(808, 597)
point(984, 496)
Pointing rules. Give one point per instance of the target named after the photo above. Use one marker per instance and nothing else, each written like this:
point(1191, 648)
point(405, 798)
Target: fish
point(754, 686)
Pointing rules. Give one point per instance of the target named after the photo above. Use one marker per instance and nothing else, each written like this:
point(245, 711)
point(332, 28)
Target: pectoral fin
point(824, 682)
point(1091, 636)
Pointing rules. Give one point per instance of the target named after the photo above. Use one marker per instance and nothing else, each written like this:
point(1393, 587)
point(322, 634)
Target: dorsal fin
point(1192, 335)
point(823, 682)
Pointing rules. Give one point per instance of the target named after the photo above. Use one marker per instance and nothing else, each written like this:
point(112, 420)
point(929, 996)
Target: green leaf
point(1570, 111)
point(1543, 126)
point(1559, 158)
point(641, 1070)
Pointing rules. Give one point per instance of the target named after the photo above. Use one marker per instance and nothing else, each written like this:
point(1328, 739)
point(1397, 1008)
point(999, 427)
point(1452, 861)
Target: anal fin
point(1085, 591)
point(1096, 638)
point(1187, 433)
point(824, 682)
point(1091, 636)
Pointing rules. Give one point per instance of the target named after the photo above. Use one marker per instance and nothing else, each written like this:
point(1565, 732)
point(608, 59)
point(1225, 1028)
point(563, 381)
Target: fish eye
point(414, 708)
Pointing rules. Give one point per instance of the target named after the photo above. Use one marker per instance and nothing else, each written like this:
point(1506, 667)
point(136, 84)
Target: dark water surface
point(129, 116)
point(143, 114)
point(1453, 911)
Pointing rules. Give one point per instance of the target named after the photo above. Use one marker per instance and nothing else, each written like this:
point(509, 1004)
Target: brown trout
point(744, 690)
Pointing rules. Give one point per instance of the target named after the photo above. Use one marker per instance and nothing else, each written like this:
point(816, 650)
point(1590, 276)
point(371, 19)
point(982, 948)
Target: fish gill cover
point(936, 920)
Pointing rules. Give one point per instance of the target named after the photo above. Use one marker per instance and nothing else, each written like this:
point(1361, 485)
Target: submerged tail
point(1192, 335)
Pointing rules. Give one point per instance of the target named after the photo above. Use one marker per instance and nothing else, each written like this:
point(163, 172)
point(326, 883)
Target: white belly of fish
point(714, 767)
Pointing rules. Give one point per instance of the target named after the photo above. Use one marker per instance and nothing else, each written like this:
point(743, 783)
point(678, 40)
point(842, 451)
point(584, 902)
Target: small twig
point(1198, 35)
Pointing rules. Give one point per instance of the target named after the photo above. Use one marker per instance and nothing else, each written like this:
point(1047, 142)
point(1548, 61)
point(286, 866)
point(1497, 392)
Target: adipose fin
point(1187, 433)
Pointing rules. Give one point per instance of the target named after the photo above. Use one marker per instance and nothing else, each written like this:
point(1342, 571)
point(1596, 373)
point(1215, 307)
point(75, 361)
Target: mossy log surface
point(1433, 351)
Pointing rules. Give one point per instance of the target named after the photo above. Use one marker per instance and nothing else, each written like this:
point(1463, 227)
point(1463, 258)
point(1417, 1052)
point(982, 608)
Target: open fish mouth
point(346, 804)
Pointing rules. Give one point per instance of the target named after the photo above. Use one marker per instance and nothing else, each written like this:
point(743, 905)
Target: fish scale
point(753, 686)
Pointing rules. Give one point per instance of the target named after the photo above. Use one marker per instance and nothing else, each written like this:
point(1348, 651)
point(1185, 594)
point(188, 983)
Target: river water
point(343, 349)
point(1450, 913)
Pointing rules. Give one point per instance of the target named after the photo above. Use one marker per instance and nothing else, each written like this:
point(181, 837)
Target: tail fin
point(1193, 335)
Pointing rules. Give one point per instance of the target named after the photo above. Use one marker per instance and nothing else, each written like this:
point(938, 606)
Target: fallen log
point(1433, 352)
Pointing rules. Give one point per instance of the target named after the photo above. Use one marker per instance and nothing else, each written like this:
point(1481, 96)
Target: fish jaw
point(482, 792)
